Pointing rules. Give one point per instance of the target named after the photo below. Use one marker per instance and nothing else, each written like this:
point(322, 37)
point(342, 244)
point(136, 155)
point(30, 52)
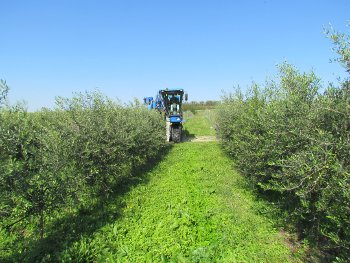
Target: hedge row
point(55, 158)
point(293, 141)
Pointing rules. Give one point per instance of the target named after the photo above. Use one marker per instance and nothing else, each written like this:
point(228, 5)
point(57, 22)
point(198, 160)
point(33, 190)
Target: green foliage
point(110, 140)
point(34, 166)
point(52, 160)
point(293, 141)
point(341, 42)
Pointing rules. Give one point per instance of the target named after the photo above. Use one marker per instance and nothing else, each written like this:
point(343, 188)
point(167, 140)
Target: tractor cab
point(175, 106)
point(172, 100)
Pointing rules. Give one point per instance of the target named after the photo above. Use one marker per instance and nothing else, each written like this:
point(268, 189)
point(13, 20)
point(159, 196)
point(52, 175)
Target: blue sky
point(133, 48)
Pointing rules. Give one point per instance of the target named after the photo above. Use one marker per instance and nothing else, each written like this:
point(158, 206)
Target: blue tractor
point(169, 102)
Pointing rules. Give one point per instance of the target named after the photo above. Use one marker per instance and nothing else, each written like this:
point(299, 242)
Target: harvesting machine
point(169, 103)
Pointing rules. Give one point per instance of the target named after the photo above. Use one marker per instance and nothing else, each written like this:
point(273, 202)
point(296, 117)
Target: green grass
point(201, 123)
point(194, 208)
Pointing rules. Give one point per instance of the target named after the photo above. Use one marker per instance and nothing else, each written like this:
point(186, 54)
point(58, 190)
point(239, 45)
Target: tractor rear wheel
point(176, 133)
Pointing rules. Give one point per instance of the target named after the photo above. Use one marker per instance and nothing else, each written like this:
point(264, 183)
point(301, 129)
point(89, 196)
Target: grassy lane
point(194, 208)
point(201, 123)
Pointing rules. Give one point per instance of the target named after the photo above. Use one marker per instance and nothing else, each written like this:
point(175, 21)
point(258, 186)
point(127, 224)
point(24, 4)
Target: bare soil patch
point(201, 139)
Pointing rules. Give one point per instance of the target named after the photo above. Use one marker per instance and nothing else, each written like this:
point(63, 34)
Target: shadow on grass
point(186, 136)
point(69, 228)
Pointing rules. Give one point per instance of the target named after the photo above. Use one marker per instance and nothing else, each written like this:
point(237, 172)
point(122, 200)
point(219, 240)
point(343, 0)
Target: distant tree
point(3, 91)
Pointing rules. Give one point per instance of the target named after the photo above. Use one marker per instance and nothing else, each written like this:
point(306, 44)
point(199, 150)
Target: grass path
point(200, 124)
point(194, 208)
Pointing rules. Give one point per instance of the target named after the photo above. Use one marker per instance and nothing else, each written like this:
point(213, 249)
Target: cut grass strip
point(193, 209)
